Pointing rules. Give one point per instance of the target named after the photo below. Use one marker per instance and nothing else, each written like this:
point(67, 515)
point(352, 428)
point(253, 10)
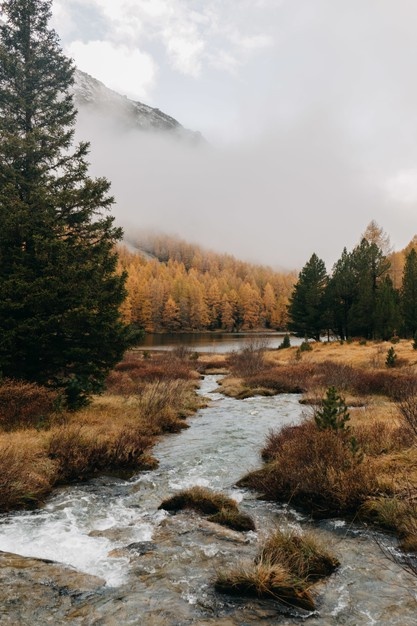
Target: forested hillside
point(179, 286)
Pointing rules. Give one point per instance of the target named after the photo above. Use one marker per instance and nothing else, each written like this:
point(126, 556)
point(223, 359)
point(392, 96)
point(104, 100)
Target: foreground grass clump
point(223, 510)
point(264, 580)
point(284, 569)
point(301, 554)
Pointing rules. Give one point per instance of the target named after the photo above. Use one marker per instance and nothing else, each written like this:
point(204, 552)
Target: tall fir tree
point(409, 294)
point(59, 290)
point(340, 295)
point(370, 266)
point(307, 309)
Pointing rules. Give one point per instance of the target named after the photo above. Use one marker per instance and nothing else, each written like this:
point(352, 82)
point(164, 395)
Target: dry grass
point(264, 580)
point(234, 520)
point(222, 509)
point(301, 554)
point(286, 566)
point(26, 474)
point(199, 499)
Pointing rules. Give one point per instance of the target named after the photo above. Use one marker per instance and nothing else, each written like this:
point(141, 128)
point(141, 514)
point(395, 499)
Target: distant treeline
point(178, 286)
point(371, 292)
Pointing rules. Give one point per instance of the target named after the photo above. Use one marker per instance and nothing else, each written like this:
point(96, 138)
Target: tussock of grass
point(284, 569)
point(234, 520)
point(26, 475)
point(301, 554)
point(222, 509)
point(394, 514)
point(265, 580)
point(199, 499)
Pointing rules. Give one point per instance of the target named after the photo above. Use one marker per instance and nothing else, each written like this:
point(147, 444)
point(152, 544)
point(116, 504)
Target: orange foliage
point(179, 286)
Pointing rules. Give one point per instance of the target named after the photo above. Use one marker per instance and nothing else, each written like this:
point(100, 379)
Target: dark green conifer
point(307, 310)
point(59, 289)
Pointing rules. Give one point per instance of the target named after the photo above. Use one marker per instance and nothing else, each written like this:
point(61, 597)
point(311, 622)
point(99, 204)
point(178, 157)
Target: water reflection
point(211, 342)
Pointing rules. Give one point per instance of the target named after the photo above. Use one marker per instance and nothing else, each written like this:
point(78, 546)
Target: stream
point(101, 553)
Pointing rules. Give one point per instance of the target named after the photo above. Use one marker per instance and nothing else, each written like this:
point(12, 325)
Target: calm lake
point(212, 342)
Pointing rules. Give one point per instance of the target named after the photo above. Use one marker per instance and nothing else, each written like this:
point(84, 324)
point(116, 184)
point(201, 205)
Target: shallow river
point(158, 569)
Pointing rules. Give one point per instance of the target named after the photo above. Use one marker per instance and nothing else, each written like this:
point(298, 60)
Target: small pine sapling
point(391, 359)
point(333, 413)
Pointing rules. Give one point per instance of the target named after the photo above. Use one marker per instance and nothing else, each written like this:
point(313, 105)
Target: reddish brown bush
point(26, 405)
point(284, 379)
point(317, 471)
point(130, 375)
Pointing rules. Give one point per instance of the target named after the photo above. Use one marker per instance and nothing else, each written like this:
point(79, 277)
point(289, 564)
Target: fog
point(273, 199)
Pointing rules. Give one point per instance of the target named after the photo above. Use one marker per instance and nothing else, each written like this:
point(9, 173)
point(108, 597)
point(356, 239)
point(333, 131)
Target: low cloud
point(274, 200)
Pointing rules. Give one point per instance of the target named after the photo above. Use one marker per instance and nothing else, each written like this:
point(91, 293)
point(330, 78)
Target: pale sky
point(309, 106)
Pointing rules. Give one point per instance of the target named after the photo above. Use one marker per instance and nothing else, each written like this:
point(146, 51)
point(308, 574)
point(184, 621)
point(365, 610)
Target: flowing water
point(158, 569)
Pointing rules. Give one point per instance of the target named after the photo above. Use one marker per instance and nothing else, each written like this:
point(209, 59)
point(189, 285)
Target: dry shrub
point(317, 471)
point(26, 405)
point(301, 554)
point(250, 359)
point(130, 375)
point(26, 475)
point(264, 580)
point(383, 382)
point(339, 375)
point(276, 438)
point(285, 378)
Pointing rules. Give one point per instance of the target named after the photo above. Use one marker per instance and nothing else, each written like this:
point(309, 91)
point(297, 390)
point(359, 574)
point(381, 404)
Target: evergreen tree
point(333, 414)
point(306, 310)
point(370, 266)
point(387, 310)
point(340, 296)
point(59, 290)
point(409, 294)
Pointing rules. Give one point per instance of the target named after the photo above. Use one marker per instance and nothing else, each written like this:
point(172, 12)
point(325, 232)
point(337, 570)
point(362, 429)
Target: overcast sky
point(310, 108)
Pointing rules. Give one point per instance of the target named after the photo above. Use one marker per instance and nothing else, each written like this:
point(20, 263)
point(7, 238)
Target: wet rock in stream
point(31, 590)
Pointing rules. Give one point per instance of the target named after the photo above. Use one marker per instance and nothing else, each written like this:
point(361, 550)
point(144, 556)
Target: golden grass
point(286, 566)
point(200, 499)
point(302, 554)
point(370, 355)
point(222, 509)
point(264, 580)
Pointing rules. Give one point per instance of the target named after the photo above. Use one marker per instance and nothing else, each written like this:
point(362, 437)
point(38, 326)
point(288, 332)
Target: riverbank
point(42, 446)
point(366, 470)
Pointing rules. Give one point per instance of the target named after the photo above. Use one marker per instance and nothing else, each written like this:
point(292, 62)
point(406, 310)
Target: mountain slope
point(91, 94)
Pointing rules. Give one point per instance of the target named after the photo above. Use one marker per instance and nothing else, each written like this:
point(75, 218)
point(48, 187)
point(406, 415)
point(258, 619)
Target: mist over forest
point(273, 199)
